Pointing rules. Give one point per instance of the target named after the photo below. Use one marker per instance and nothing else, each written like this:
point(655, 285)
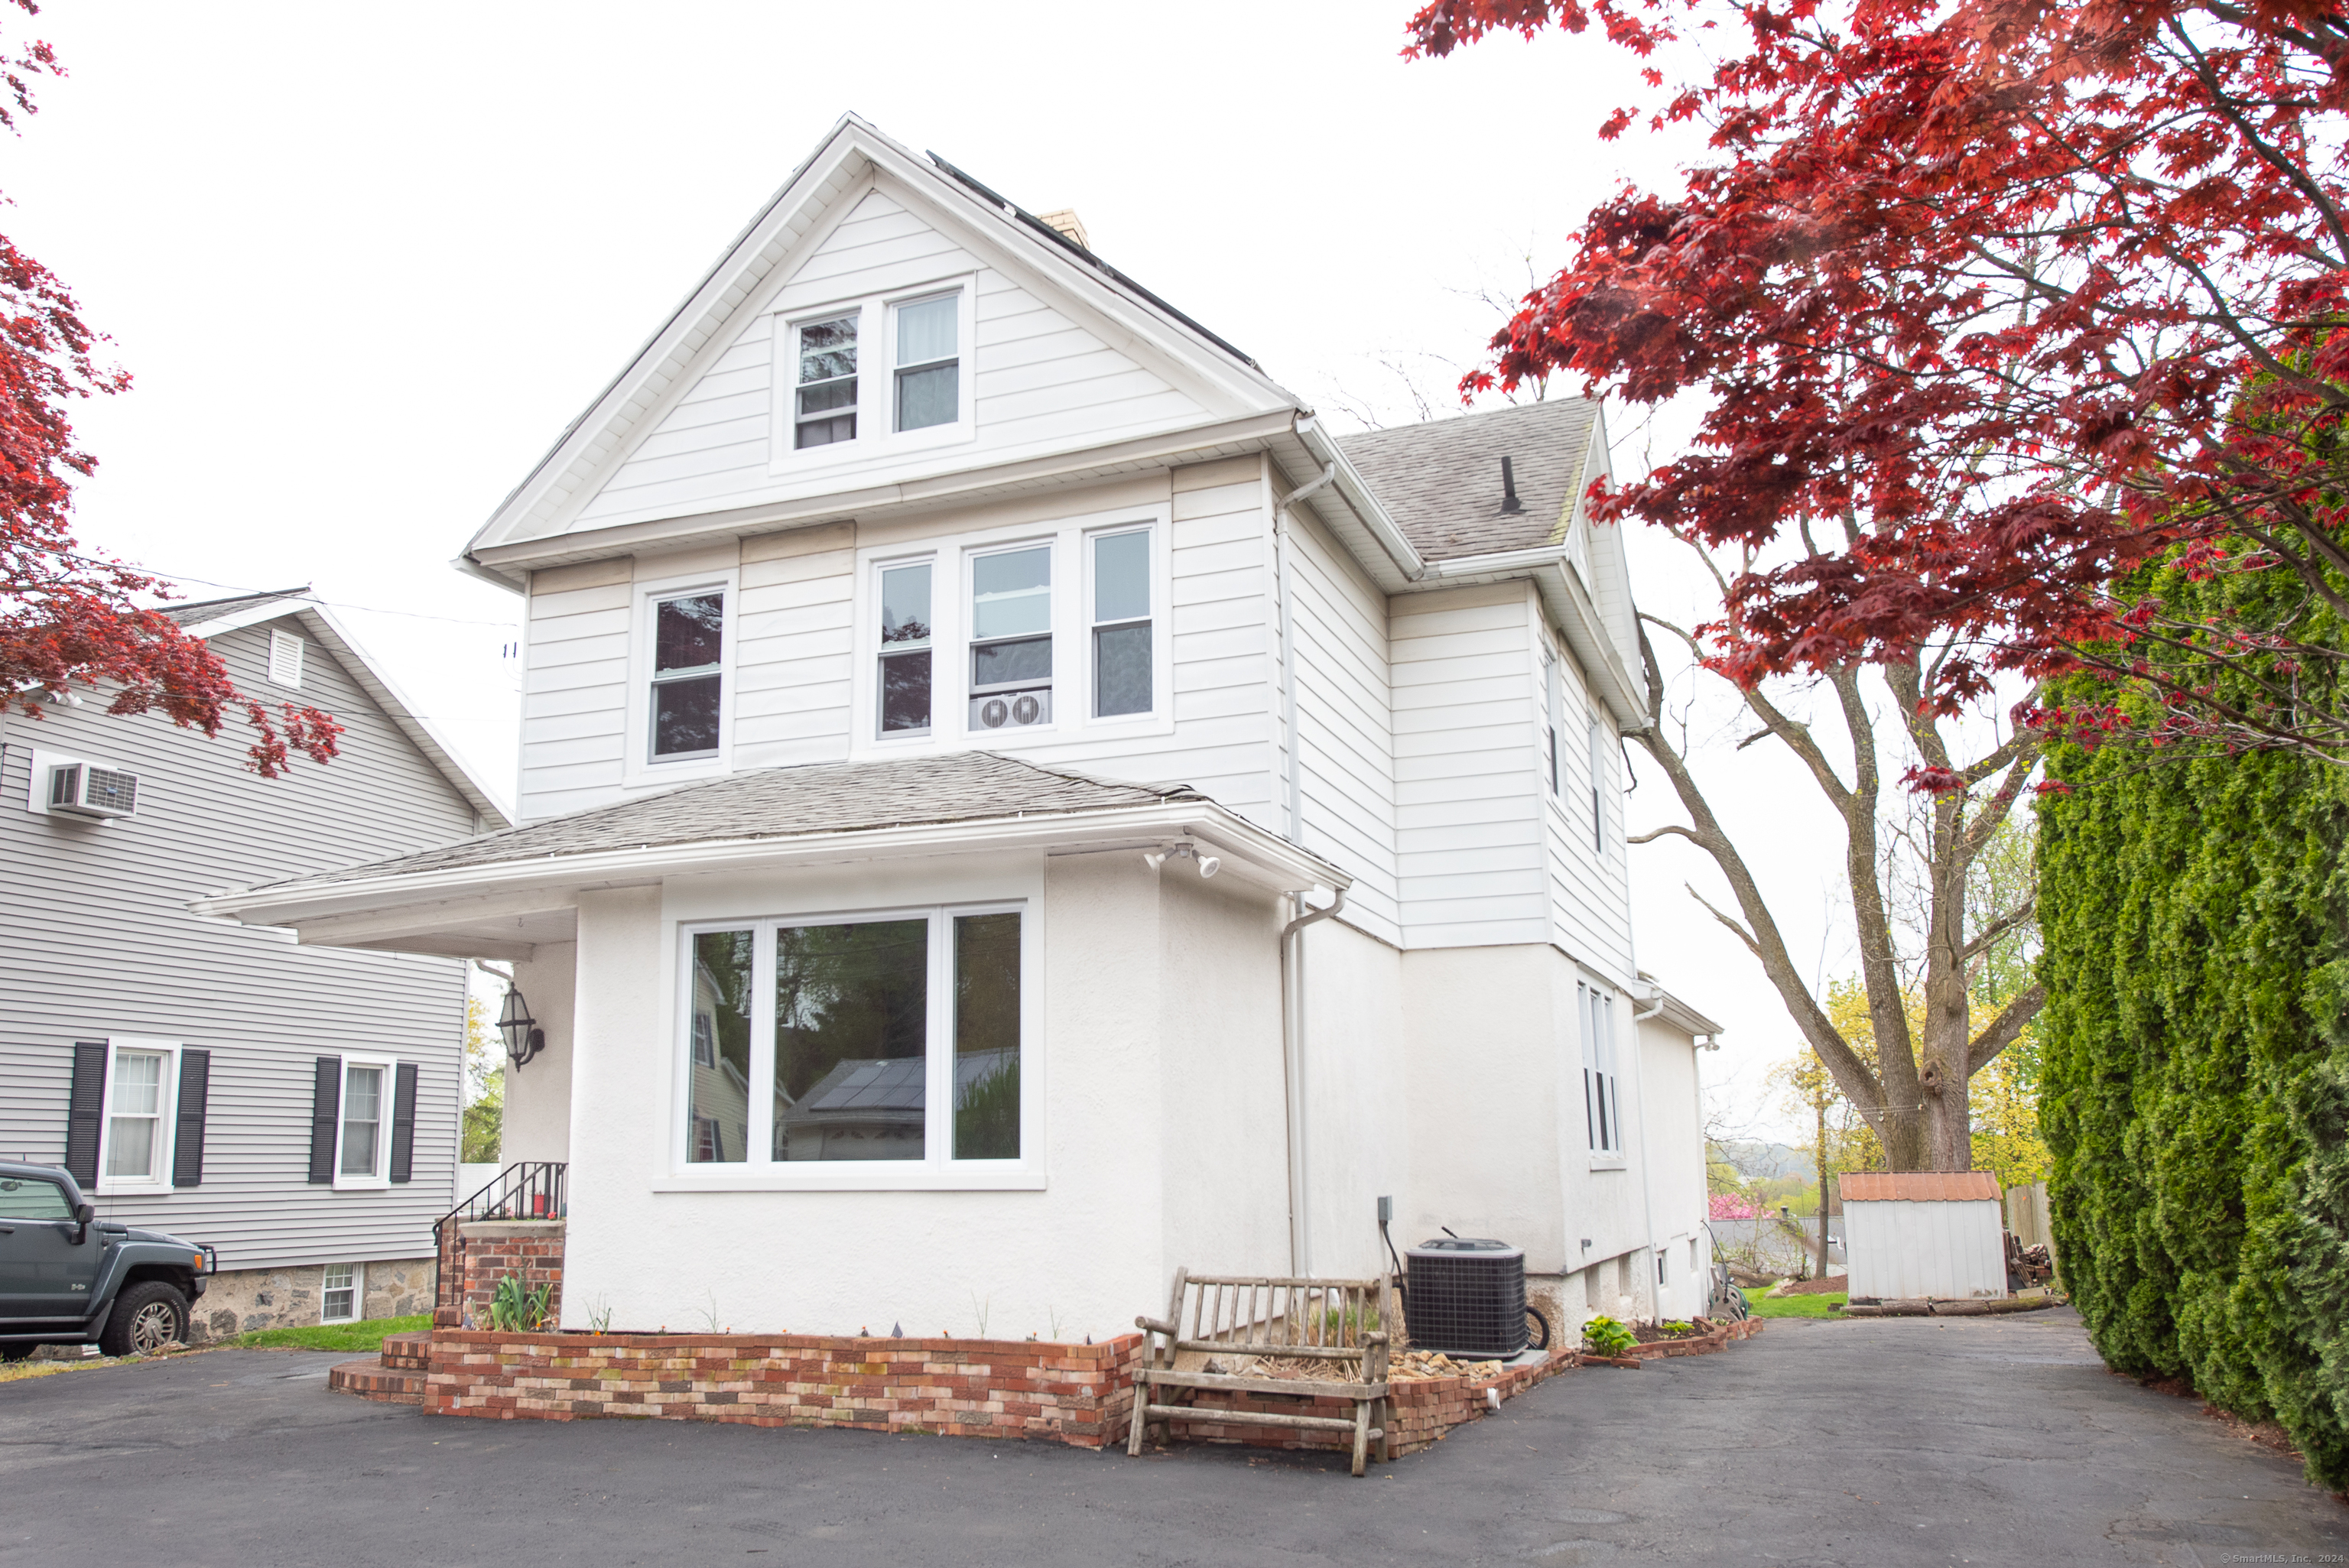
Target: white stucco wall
point(1357, 1100)
point(1157, 1050)
point(1672, 1122)
point(537, 1117)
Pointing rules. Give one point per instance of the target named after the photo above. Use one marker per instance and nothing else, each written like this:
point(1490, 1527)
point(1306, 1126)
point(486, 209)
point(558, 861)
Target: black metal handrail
point(529, 1189)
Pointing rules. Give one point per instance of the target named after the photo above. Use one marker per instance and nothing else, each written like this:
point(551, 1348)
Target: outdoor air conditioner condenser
point(84, 789)
point(1466, 1297)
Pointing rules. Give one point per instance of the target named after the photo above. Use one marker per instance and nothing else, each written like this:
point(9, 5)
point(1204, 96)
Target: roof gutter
point(1356, 495)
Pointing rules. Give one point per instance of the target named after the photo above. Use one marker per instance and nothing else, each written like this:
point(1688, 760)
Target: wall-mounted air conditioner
point(1011, 709)
point(86, 789)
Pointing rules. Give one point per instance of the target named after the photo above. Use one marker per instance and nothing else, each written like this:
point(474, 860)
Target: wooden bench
point(1336, 1321)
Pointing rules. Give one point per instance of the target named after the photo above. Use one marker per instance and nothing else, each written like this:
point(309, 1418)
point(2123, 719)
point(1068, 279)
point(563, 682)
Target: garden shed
point(1935, 1233)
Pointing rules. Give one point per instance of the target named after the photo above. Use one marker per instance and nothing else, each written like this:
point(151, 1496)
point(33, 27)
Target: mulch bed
point(1832, 1286)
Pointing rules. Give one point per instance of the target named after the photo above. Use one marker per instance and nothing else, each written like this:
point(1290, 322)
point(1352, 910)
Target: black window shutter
point(86, 1111)
point(403, 1123)
point(326, 1109)
point(188, 1139)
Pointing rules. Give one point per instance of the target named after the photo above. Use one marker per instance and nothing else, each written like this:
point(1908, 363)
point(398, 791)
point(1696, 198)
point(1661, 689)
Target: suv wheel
point(146, 1317)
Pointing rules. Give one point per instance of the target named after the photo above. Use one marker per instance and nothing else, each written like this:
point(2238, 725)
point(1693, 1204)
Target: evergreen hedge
point(2195, 1093)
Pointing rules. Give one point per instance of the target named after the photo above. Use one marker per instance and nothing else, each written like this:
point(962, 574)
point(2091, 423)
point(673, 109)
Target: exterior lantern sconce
point(524, 1039)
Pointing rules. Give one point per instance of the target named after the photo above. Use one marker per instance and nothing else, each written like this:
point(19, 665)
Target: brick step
point(374, 1380)
point(407, 1350)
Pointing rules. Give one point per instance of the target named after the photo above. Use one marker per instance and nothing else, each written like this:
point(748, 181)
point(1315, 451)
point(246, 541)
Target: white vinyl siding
point(1039, 381)
point(1469, 840)
point(1589, 892)
point(574, 706)
point(122, 954)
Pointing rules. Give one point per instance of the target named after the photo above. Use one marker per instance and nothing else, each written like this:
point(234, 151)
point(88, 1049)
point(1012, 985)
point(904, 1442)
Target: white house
point(1011, 804)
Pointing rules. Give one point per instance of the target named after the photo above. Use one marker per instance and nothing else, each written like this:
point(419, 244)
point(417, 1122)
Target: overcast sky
point(365, 263)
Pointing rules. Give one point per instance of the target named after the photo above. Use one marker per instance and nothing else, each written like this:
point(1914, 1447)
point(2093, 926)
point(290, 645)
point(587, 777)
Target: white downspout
point(1294, 791)
point(1647, 1173)
point(1292, 1063)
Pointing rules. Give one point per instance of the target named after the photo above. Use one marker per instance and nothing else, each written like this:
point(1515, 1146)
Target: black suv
point(67, 1279)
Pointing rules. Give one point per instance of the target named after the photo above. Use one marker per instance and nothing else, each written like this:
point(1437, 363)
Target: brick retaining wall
point(1080, 1393)
point(477, 1254)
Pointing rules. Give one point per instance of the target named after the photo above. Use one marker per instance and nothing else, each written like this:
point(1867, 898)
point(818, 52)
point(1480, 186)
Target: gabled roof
point(743, 276)
point(786, 802)
point(209, 618)
point(1442, 479)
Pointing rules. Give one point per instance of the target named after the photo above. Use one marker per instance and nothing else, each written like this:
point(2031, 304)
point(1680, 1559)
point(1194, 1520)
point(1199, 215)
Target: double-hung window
point(338, 1293)
point(363, 1136)
point(906, 639)
point(138, 1131)
point(688, 675)
point(927, 387)
point(847, 1043)
point(824, 411)
point(1011, 637)
point(1601, 1092)
point(1123, 651)
point(1598, 787)
point(1553, 705)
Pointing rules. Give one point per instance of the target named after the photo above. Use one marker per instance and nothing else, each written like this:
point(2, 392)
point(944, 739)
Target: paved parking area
point(1974, 1440)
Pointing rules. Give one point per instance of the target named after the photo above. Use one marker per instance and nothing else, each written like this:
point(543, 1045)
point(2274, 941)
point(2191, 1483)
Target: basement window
point(338, 1295)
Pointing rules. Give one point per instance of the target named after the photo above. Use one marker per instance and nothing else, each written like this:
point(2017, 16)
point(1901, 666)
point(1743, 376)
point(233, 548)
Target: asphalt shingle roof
point(787, 803)
point(196, 612)
point(1441, 481)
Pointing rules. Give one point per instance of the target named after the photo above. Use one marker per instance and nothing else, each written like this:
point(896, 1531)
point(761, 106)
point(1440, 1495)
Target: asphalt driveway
point(1974, 1440)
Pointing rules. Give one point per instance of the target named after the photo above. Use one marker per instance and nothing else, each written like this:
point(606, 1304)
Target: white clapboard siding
point(1039, 381)
point(96, 923)
point(1345, 724)
point(1589, 889)
point(574, 690)
point(1470, 856)
point(795, 651)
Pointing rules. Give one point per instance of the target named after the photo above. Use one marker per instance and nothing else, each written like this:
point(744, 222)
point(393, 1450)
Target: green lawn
point(361, 1336)
point(1794, 1306)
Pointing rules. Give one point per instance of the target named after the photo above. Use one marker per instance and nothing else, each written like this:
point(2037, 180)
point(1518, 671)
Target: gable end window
point(929, 367)
point(688, 675)
point(826, 396)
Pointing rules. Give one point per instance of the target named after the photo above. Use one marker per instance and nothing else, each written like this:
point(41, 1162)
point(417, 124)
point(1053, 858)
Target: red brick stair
point(394, 1377)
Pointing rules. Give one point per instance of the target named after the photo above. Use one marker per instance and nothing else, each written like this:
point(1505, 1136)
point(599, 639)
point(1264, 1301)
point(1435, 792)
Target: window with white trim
point(1598, 787)
point(905, 669)
point(338, 1293)
point(1011, 637)
point(1553, 701)
point(139, 1093)
point(892, 1038)
point(688, 675)
point(927, 389)
point(824, 399)
point(1602, 1099)
point(1123, 652)
point(363, 1126)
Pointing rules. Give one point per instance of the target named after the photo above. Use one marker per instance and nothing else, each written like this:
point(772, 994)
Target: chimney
point(1509, 502)
point(1070, 227)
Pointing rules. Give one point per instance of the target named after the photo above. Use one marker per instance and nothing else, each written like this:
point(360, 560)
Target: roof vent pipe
point(1509, 502)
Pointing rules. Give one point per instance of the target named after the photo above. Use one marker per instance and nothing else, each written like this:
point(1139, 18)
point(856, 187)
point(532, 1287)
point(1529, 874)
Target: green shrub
point(2195, 1092)
point(1607, 1338)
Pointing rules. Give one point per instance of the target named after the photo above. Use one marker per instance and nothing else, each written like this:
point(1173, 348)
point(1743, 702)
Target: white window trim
point(937, 1171)
point(167, 1106)
point(638, 766)
point(878, 437)
point(358, 1292)
point(386, 1111)
point(1072, 686)
point(1601, 1073)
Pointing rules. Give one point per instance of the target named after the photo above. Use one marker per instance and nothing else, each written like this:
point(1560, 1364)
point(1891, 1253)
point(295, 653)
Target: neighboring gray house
point(296, 1106)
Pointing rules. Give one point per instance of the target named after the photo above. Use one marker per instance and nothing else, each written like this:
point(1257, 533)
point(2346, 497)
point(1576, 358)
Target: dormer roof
point(1442, 479)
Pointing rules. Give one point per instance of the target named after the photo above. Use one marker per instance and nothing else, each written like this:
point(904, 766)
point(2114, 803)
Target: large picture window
point(819, 1046)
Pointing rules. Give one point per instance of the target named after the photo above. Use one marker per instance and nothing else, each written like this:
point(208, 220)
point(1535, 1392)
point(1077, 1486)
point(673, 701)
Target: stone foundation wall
point(1080, 1393)
point(239, 1301)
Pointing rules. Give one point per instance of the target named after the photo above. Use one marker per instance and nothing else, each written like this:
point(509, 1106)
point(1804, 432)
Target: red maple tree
point(1990, 303)
point(67, 618)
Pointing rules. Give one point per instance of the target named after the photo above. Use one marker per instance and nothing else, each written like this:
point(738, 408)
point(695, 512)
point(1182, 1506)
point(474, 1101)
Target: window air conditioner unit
point(86, 789)
point(1011, 709)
